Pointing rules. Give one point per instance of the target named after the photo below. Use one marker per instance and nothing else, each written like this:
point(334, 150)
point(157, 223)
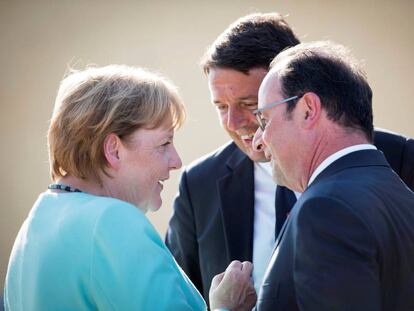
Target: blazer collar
point(236, 159)
point(355, 159)
point(236, 192)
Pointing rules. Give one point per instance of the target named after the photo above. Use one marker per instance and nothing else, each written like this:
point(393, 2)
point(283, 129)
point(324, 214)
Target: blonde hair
point(95, 102)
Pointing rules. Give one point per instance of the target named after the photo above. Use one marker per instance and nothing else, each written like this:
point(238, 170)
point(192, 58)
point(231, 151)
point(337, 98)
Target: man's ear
point(111, 146)
point(311, 109)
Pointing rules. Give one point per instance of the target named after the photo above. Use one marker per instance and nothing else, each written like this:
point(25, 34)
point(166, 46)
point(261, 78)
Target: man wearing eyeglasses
point(228, 208)
point(348, 241)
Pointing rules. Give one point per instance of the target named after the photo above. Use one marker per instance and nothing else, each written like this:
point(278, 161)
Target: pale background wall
point(38, 39)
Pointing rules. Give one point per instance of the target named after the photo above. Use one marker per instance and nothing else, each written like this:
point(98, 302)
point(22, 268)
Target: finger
point(251, 291)
point(247, 266)
point(234, 265)
point(251, 300)
point(216, 280)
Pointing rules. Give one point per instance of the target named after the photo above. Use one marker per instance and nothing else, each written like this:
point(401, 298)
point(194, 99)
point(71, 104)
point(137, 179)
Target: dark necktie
point(285, 199)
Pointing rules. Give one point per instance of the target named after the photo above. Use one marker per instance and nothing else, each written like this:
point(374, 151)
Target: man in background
point(228, 208)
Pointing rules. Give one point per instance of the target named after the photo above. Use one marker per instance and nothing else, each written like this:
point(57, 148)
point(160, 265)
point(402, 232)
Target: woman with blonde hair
point(86, 244)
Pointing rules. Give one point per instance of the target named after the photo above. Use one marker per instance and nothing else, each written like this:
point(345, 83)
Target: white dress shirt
point(264, 220)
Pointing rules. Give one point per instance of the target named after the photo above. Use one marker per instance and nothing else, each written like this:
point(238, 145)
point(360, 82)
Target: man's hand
point(233, 289)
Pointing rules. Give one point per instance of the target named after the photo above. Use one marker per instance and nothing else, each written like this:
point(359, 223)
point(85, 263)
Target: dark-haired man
point(225, 208)
point(348, 241)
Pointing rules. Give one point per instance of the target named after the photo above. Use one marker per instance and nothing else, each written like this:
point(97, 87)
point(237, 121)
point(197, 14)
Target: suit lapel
point(236, 190)
point(280, 235)
point(285, 199)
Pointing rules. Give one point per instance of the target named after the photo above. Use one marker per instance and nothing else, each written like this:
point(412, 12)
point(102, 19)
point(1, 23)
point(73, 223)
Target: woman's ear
point(311, 109)
point(112, 144)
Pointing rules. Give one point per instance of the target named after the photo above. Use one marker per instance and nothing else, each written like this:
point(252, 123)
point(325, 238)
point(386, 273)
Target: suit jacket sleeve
point(181, 236)
point(335, 264)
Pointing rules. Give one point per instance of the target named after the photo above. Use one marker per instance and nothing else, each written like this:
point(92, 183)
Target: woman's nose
point(176, 162)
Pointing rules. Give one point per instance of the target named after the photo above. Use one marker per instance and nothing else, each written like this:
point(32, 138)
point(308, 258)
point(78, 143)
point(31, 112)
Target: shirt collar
point(265, 166)
point(335, 156)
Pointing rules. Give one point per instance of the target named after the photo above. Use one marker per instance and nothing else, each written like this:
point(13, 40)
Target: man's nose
point(258, 144)
point(235, 119)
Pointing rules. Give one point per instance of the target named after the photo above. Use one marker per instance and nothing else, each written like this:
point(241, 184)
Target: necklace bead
point(63, 187)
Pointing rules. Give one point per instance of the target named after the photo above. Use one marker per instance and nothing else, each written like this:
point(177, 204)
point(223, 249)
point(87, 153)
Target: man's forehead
point(223, 76)
point(235, 84)
point(269, 90)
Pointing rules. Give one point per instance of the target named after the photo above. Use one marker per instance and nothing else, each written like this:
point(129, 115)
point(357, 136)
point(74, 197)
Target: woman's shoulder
point(98, 211)
point(113, 207)
point(122, 219)
point(88, 202)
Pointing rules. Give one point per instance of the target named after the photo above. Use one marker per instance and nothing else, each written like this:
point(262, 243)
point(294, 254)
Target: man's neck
point(328, 144)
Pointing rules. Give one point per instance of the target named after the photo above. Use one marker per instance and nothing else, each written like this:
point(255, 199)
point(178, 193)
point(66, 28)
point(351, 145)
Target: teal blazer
point(77, 251)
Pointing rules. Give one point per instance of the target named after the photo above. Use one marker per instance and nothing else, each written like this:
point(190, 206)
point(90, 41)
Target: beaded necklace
point(63, 187)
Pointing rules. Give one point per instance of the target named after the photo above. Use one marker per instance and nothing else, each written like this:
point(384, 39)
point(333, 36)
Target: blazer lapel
point(280, 235)
point(285, 200)
point(236, 190)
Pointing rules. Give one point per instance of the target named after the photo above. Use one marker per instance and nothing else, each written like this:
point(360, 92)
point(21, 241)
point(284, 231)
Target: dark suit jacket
point(212, 222)
point(399, 152)
point(348, 243)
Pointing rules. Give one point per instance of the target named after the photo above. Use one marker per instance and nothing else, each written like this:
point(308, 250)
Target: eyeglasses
point(259, 115)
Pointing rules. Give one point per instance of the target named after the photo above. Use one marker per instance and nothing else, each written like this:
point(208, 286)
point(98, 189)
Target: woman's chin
point(155, 205)
point(153, 209)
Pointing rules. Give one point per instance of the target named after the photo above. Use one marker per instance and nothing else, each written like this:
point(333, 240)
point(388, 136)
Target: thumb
point(217, 280)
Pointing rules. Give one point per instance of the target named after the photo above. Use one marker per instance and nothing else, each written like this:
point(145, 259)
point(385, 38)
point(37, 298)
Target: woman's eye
point(221, 107)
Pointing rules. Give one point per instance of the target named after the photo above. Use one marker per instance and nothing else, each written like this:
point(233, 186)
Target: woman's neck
point(82, 184)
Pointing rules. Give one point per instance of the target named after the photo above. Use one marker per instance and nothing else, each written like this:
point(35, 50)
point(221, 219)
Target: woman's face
point(147, 157)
